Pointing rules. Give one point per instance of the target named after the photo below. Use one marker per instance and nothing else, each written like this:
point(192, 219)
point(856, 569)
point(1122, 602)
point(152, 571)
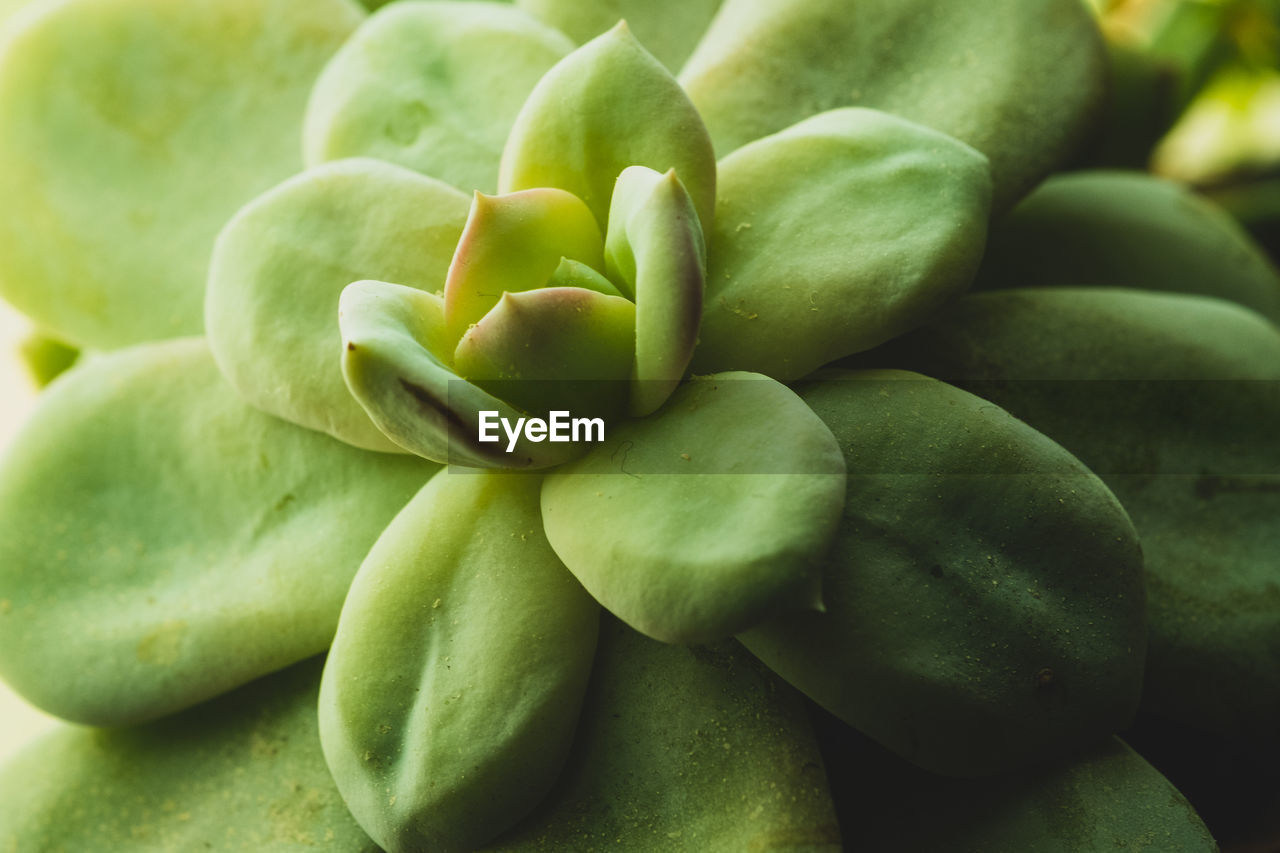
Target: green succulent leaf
point(433, 87)
point(669, 29)
point(1128, 230)
point(516, 242)
point(707, 516)
point(129, 132)
point(655, 250)
point(452, 692)
point(1017, 79)
point(984, 596)
point(396, 363)
point(281, 263)
point(1174, 401)
point(243, 772)
point(559, 348)
point(627, 111)
point(572, 273)
point(161, 542)
point(685, 750)
point(46, 358)
point(1104, 798)
point(834, 236)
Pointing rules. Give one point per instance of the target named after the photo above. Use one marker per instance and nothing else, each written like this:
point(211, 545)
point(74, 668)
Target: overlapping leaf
point(244, 772)
point(1174, 401)
point(280, 266)
point(1126, 229)
point(707, 516)
point(627, 111)
point(984, 598)
point(684, 749)
point(453, 687)
point(1016, 79)
point(433, 86)
point(161, 542)
point(835, 235)
point(129, 132)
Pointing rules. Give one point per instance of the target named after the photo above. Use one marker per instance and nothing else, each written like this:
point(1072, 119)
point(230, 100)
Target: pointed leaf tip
point(626, 110)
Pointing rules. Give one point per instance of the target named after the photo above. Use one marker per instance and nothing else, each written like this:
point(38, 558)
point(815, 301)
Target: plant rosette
point(511, 213)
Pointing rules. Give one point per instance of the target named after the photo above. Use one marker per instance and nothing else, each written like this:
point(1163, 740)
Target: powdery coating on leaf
point(130, 130)
point(431, 86)
point(483, 643)
point(161, 542)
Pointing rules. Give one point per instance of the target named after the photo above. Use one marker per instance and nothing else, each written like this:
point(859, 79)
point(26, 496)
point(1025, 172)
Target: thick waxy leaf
point(431, 86)
point(514, 243)
point(241, 773)
point(1126, 229)
point(1016, 79)
point(129, 132)
point(834, 236)
point(707, 516)
point(1102, 799)
point(394, 360)
point(575, 274)
point(46, 358)
point(1174, 400)
point(557, 348)
point(669, 29)
point(655, 249)
point(161, 542)
point(984, 598)
point(685, 749)
point(627, 110)
point(280, 265)
point(452, 692)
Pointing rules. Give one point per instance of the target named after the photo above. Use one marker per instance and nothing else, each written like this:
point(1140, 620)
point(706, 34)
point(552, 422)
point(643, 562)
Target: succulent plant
point(337, 274)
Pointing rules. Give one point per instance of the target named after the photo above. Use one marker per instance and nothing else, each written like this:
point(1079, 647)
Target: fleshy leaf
point(1017, 79)
point(452, 692)
point(1129, 230)
point(244, 772)
point(129, 132)
point(834, 236)
point(513, 243)
point(556, 348)
point(46, 358)
point(1174, 401)
point(1117, 801)
point(669, 29)
point(279, 268)
point(984, 593)
point(433, 87)
point(161, 542)
point(627, 111)
point(707, 516)
point(572, 273)
point(393, 360)
point(685, 750)
point(655, 249)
